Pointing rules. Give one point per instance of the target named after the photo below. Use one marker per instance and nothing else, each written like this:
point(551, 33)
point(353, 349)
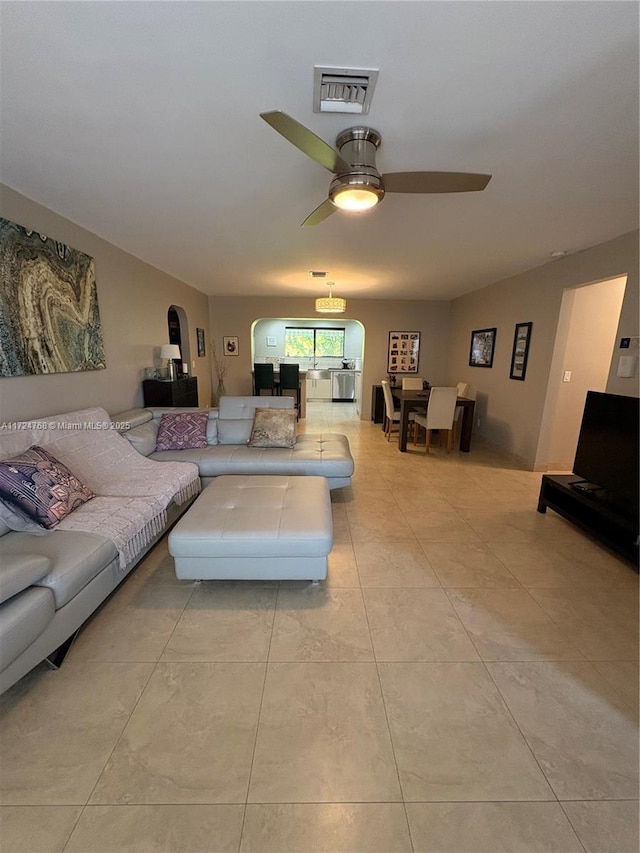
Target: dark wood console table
point(180, 392)
point(594, 515)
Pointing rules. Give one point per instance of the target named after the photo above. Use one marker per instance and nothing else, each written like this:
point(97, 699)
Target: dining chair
point(413, 383)
point(263, 378)
point(290, 381)
point(392, 416)
point(463, 390)
point(440, 411)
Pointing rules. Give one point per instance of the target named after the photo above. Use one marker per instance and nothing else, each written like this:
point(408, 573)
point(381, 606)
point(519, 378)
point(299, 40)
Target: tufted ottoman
point(255, 527)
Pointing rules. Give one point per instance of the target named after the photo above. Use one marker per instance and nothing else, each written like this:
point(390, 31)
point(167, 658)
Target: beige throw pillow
point(273, 428)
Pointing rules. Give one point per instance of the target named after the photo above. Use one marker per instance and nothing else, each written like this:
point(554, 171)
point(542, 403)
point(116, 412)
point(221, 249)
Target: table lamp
point(170, 351)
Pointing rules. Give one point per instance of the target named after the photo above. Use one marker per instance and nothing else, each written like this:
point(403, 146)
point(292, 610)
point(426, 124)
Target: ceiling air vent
point(343, 90)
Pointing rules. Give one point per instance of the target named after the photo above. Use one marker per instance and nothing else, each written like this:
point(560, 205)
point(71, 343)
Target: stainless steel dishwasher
point(343, 386)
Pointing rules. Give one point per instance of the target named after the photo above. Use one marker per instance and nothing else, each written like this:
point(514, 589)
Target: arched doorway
point(178, 327)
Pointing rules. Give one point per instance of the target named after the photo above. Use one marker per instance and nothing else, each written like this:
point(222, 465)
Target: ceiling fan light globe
point(355, 199)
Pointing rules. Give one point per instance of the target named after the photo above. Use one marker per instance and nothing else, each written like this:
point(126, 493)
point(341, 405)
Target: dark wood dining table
point(412, 400)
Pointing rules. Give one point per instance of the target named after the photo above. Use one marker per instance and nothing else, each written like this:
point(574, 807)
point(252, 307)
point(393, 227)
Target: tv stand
point(590, 510)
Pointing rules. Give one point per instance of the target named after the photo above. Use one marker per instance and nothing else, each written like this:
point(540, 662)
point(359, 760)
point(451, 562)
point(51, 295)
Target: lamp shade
point(170, 351)
point(331, 304)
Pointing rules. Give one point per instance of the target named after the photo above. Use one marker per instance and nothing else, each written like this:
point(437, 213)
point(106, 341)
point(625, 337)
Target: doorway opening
point(269, 336)
point(178, 326)
point(583, 350)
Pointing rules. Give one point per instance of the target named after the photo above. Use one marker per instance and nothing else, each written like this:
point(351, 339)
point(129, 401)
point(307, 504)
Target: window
point(300, 342)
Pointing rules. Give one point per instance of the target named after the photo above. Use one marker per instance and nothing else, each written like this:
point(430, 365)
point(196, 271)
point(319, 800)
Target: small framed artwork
point(404, 352)
point(520, 354)
point(200, 340)
point(483, 343)
point(230, 345)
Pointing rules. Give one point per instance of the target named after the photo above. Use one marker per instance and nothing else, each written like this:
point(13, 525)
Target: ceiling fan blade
point(434, 182)
point(304, 139)
point(320, 213)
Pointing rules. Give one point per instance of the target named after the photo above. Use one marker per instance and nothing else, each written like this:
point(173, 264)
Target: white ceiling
point(139, 121)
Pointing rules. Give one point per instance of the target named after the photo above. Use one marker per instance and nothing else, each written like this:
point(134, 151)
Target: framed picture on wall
point(404, 352)
point(200, 342)
point(520, 354)
point(230, 345)
point(483, 343)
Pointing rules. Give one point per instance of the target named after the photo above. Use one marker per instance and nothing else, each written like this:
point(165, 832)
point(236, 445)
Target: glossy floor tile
point(464, 681)
point(323, 827)
point(158, 829)
point(576, 725)
point(323, 736)
point(453, 738)
point(491, 827)
point(190, 738)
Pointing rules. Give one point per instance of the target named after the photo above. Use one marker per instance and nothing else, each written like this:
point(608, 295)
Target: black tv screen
point(607, 453)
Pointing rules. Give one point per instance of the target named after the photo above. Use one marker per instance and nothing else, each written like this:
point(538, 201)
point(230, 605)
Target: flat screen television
point(607, 453)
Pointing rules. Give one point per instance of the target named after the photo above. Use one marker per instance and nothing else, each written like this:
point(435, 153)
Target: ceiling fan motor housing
point(357, 146)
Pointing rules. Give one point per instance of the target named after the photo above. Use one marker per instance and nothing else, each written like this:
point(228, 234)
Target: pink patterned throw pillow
point(182, 430)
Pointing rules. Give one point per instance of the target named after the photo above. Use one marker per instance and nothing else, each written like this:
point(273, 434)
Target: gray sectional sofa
point(229, 427)
point(50, 584)
point(52, 581)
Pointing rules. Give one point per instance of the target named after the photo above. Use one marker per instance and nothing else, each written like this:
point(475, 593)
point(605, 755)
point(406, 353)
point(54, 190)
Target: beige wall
point(133, 298)
point(511, 412)
point(234, 316)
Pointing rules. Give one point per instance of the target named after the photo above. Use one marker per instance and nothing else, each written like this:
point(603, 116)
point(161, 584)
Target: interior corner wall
point(133, 299)
point(235, 316)
point(511, 411)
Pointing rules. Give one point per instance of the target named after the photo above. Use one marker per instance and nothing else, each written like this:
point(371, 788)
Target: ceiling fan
point(358, 185)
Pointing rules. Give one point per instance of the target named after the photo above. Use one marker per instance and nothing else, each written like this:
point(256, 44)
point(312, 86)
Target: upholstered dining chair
point(290, 381)
point(440, 411)
point(263, 378)
point(413, 383)
point(463, 390)
point(391, 415)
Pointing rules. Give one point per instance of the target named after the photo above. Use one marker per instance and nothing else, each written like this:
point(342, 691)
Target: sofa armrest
point(20, 571)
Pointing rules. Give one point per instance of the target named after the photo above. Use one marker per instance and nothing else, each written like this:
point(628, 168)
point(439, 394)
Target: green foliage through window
point(313, 343)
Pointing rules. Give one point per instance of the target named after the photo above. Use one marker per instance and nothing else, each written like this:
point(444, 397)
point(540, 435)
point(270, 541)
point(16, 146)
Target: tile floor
point(466, 681)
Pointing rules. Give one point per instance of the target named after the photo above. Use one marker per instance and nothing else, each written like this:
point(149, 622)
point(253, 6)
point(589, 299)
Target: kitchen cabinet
point(318, 389)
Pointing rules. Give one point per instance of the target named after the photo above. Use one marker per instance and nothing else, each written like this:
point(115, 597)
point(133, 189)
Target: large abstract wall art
point(49, 319)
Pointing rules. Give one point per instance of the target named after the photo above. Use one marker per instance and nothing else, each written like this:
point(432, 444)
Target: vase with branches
point(220, 370)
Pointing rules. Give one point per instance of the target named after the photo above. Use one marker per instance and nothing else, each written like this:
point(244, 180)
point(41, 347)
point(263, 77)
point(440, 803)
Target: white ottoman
point(255, 528)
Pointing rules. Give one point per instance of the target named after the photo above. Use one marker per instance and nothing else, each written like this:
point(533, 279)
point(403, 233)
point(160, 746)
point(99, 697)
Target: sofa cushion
point(320, 455)
point(181, 431)
point(212, 428)
point(143, 437)
point(21, 571)
point(12, 518)
point(41, 486)
point(75, 557)
point(244, 407)
point(273, 428)
point(234, 430)
point(22, 619)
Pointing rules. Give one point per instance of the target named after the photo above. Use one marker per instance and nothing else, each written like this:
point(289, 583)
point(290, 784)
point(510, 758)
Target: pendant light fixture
point(331, 304)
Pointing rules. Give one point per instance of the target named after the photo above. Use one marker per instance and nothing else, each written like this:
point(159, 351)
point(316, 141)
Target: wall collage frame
point(404, 352)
